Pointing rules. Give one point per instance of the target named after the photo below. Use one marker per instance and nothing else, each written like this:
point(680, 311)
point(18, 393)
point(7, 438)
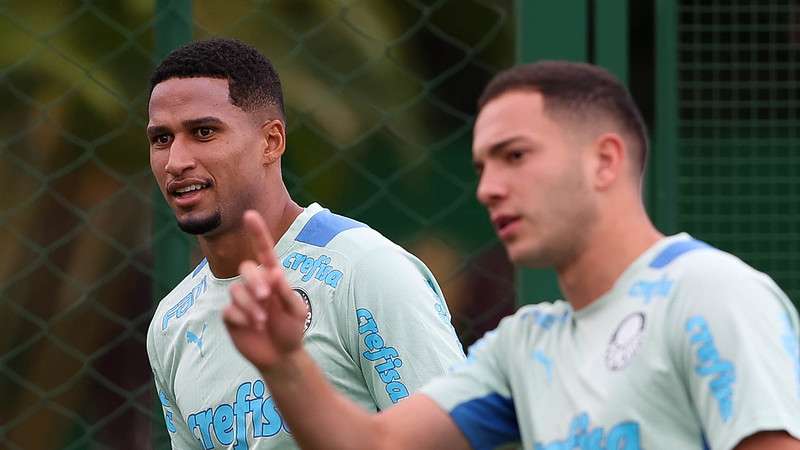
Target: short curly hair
point(253, 82)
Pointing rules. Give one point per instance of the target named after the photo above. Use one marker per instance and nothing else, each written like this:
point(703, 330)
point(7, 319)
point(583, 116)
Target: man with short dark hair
point(663, 342)
point(374, 318)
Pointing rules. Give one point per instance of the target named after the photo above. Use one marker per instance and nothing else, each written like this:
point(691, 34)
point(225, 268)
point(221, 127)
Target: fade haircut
point(579, 90)
point(253, 83)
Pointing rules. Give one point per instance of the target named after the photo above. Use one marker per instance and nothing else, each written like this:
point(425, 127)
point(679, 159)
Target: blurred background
point(381, 99)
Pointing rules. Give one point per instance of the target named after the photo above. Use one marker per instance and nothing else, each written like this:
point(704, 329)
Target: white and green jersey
point(377, 325)
point(690, 349)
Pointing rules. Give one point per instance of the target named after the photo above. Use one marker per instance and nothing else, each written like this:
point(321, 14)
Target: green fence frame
point(662, 165)
point(541, 35)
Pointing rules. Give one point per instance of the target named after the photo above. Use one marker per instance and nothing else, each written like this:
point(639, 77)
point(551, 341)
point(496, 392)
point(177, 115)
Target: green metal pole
point(548, 30)
point(559, 30)
point(663, 191)
point(551, 30)
point(171, 247)
point(611, 37)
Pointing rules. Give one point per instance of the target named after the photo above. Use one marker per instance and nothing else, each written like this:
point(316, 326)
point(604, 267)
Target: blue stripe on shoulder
point(199, 267)
point(323, 227)
point(674, 250)
point(487, 422)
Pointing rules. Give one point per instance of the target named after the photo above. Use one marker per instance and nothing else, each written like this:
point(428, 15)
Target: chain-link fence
point(380, 96)
point(75, 205)
point(737, 164)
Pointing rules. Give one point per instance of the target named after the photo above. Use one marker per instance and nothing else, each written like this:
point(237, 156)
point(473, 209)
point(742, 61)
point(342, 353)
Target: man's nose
point(491, 187)
point(180, 158)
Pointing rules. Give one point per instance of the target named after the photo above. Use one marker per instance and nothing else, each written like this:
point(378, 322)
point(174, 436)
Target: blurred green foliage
point(380, 98)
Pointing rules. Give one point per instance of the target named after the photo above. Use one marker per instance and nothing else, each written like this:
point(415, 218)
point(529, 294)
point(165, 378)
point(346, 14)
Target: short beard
point(201, 225)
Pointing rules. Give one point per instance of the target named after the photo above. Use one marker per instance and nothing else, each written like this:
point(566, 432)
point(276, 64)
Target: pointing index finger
point(260, 238)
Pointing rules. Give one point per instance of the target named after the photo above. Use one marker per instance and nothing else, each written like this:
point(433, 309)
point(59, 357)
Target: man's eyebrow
point(202, 122)
point(156, 130)
point(498, 146)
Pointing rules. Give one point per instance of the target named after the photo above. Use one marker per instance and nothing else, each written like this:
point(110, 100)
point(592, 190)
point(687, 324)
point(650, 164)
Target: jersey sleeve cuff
point(487, 421)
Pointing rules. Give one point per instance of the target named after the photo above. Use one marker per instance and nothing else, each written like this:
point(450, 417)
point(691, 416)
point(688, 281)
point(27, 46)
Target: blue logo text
point(546, 320)
point(710, 363)
point(622, 436)
point(227, 424)
point(317, 268)
point(167, 411)
point(650, 290)
point(387, 359)
point(186, 302)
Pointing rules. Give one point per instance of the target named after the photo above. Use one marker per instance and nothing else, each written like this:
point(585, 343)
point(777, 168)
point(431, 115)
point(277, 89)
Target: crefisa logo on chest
point(625, 341)
point(304, 296)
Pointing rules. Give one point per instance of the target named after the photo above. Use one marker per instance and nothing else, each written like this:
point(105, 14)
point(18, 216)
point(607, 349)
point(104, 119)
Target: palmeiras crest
point(306, 300)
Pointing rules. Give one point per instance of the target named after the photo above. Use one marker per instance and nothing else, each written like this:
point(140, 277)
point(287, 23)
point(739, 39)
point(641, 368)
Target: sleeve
point(477, 394)
point(179, 434)
point(735, 344)
point(402, 336)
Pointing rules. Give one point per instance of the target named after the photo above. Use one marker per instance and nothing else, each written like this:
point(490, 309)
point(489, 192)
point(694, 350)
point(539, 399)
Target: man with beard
point(374, 318)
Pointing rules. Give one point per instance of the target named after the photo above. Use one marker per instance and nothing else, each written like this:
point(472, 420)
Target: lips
point(180, 192)
point(186, 187)
point(505, 224)
point(186, 193)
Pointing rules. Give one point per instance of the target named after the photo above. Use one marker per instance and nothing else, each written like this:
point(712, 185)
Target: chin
point(515, 254)
point(200, 225)
point(531, 258)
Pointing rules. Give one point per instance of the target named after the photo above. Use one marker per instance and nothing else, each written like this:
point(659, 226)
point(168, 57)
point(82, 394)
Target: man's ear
point(610, 153)
point(274, 132)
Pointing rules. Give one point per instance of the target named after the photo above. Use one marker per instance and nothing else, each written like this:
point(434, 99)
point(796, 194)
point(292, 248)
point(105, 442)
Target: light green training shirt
point(377, 325)
point(690, 349)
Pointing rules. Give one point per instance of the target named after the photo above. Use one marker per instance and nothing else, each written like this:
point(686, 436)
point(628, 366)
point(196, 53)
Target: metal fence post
point(611, 37)
point(663, 165)
point(548, 30)
point(171, 247)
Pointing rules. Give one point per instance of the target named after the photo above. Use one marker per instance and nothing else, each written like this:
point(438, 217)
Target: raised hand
point(265, 317)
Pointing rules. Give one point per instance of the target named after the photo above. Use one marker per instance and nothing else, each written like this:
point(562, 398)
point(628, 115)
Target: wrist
point(287, 369)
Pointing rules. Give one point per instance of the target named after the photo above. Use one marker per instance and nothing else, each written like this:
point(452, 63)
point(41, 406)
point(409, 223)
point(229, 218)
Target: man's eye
point(162, 139)
point(204, 132)
point(514, 155)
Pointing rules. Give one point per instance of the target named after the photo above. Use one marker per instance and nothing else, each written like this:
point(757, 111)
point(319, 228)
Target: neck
point(613, 245)
point(227, 250)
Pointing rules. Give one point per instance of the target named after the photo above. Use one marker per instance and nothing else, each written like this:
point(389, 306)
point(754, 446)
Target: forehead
point(511, 115)
point(190, 97)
